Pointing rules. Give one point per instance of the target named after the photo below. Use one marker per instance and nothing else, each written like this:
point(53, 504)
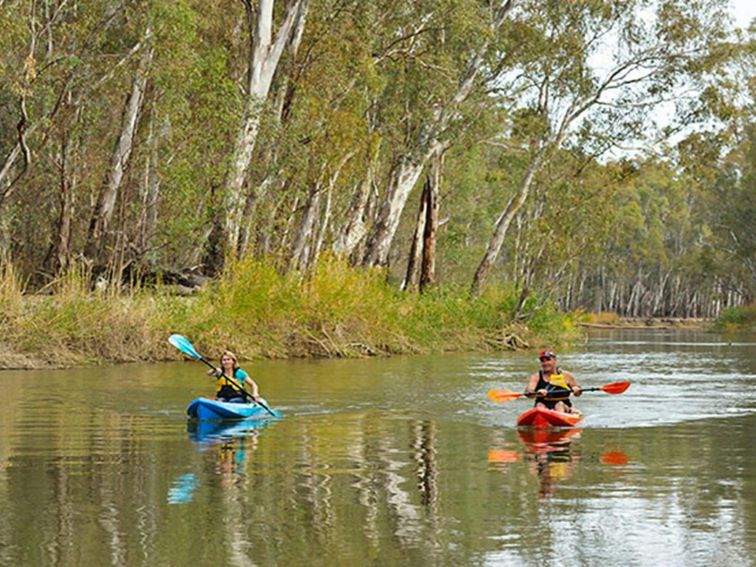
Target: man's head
point(548, 359)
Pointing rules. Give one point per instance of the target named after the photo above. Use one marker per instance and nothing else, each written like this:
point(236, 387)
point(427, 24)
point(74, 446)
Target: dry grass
point(337, 311)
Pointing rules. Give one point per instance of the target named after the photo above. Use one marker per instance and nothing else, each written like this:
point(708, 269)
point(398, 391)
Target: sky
point(744, 11)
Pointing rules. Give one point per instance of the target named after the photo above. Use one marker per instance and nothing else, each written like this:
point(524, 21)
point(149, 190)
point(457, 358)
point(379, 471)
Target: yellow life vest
point(558, 382)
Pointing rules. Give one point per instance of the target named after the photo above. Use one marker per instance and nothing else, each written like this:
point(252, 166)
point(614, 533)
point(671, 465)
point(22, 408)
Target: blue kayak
point(208, 408)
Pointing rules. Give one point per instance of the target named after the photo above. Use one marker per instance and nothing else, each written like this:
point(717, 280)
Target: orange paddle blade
point(616, 388)
point(614, 458)
point(503, 456)
point(503, 395)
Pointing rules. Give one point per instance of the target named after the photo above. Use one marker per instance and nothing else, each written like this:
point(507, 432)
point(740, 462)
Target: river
point(400, 461)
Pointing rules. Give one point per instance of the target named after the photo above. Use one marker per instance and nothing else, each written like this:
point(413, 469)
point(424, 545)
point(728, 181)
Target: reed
point(257, 311)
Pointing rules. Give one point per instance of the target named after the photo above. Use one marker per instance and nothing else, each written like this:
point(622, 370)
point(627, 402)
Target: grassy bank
point(337, 311)
point(610, 320)
point(737, 319)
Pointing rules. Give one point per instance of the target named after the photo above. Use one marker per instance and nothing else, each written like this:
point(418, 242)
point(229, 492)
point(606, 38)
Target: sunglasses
point(545, 358)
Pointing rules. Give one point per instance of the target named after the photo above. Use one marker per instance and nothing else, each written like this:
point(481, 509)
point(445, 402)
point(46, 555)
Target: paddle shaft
point(505, 395)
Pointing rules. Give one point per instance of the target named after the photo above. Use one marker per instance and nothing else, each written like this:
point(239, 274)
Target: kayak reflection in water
point(550, 455)
point(552, 385)
point(232, 457)
point(228, 390)
point(552, 466)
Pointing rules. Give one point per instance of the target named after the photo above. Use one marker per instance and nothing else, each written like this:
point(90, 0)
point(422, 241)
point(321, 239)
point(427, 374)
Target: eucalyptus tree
point(442, 52)
point(42, 47)
point(593, 71)
point(264, 55)
point(119, 160)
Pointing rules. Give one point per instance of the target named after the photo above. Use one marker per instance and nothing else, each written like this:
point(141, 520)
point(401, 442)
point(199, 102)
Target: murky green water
point(388, 462)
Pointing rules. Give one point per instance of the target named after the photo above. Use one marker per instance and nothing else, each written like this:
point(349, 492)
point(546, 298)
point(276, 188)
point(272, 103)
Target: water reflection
point(550, 456)
point(227, 444)
point(381, 462)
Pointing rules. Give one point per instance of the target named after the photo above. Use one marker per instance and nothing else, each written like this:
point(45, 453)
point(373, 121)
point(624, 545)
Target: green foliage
point(737, 318)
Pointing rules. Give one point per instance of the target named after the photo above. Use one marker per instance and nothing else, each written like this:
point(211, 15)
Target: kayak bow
point(208, 408)
point(541, 417)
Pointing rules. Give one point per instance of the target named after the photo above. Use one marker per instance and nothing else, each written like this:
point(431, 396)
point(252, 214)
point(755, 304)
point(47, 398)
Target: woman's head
point(228, 360)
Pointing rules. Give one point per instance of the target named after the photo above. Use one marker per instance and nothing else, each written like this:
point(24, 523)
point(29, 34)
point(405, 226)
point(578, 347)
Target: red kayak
point(540, 417)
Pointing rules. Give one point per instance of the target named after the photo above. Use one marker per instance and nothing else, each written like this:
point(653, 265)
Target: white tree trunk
point(263, 61)
point(402, 180)
point(302, 245)
point(119, 160)
point(355, 228)
point(412, 277)
point(502, 225)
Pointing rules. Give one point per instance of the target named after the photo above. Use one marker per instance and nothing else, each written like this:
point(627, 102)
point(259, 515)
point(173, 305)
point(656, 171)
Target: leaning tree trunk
point(119, 160)
point(355, 228)
point(429, 140)
point(309, 239)
point(502, 225)
point(412, 277)
point(402, 179)
point(301, 248)
point(264, 56)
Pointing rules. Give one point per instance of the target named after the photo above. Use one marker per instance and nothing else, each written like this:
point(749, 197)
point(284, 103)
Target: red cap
point(547, 354)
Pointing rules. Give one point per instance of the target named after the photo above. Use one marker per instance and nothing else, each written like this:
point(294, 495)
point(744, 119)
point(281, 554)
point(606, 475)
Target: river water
point(400, 461)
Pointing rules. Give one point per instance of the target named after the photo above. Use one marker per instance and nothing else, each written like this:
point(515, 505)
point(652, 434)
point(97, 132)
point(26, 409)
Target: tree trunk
point(412, 277)
point(355, 228)
point(106, 200)
point(264, 56)
point(59, 256)
point(323, 229)
point(505, 219)
point(301, 248)
point(148, 220)
point(402, 179)
point(309, 239)
point(430, 233)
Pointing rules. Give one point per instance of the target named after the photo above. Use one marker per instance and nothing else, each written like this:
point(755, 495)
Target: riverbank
point(651, 323)
point(257, 312)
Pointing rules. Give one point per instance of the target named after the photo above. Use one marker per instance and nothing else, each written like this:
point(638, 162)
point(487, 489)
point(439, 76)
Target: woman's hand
point(541, 393)
point(214, 372)
point(577, 391)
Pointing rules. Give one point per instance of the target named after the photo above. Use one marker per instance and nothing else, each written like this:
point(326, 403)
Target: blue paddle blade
point(183, 344)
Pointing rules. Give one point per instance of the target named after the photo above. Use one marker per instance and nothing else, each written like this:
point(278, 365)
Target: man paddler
point(551, 385)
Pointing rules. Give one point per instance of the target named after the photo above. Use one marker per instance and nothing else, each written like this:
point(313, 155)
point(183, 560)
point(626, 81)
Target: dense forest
point(595, 154)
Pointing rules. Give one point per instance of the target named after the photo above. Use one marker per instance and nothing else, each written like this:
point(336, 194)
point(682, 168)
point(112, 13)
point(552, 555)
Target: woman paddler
point(229, 377)
point(551, 385)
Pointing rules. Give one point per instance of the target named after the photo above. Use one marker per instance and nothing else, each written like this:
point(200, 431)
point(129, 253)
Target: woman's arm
point(253, 385)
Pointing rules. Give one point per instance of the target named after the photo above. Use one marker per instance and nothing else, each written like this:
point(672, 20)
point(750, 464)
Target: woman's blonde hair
point(232, 356)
